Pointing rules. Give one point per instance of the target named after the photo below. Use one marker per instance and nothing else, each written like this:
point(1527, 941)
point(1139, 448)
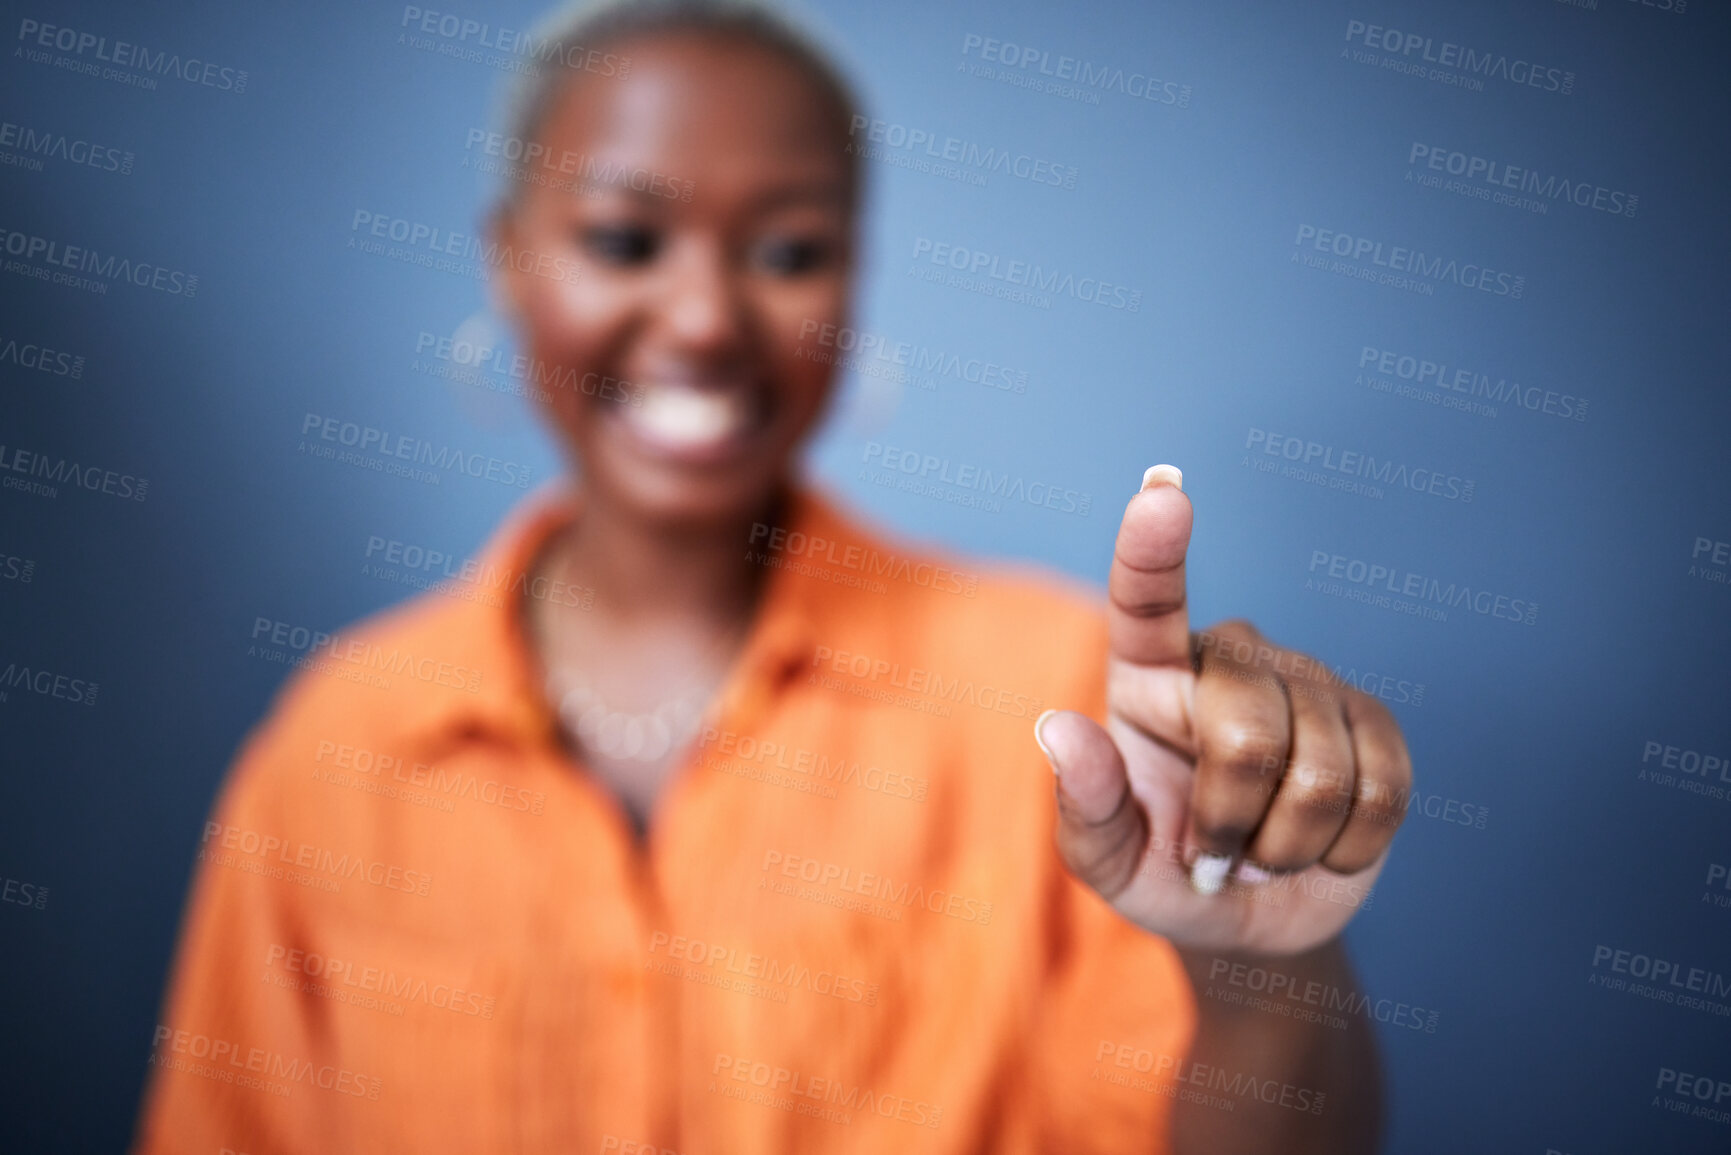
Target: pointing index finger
point(1148, 615)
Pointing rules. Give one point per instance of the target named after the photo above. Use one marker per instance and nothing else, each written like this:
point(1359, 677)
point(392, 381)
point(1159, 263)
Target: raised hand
point(1239, 797)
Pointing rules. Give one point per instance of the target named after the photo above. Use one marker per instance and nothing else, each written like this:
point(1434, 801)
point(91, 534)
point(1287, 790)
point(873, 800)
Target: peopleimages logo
point(1716, 567)
point(538, 163)
point(1702, 1096)
point(1694, 771)
point(1718, 878)
point(1311, 456)
point(1667, 975)
point(746, 971)
point(363, 769)
point(1038, 63)
point(23, 893)
point(1397, 588)
point(463, 38)
point(66, 261)
point(57, 471)
point(931, 469)
point(1497, 180)
point(785, 1089)
point(1289, 995)
point(733, 750)
point(41, 358)
point(857, 348)
point(928, 145)
point(1440, 383)
point(90, 51)
point(1674, 7)
point(880, 887)
point(361, 979)
point(230, 1062)
point(447, 250)
point(1408, 262)
point(1236, 1084)
point(767, 544)
point(993, 271)
point(33, 146)
point(470, 579)
point(470, 361)
point(275, 640)
point(1459, 61)
point(393, 448)
point(47, 683)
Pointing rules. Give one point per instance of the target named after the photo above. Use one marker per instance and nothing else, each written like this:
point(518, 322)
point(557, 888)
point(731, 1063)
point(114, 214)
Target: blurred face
point(693, 289)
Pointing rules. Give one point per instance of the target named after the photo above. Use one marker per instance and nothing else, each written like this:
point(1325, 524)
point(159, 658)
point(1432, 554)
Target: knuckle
point(1287, 860)
point(1246, 751)
point(1380, 730)
point(1323, 681)
point(1324, 780)
point(1318, 807)
point(1400, 771)
point(1286, 847)
point(1323, 688)
point(1402, 760)
point(1131, 566)
point(1228, 640)
point(1106, 864)
point(1380, 804)
point(1147, 607)
point(1221, 830)
point(1244, 675)
point(1237, 628)
point(1350, 859)
point(1373, 712)
point(1391, 765)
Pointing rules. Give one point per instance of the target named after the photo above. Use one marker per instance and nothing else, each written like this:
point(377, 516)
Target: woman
point(723, 826)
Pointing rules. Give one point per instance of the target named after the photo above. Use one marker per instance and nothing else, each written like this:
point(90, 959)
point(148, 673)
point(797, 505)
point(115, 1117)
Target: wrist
point(1231, 983)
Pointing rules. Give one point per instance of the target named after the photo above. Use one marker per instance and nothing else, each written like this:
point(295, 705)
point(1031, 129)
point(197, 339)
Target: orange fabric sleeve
point(1115, 1016)
point(221, 1048)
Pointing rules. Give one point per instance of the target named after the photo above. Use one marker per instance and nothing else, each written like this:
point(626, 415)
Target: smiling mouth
point(695, 422)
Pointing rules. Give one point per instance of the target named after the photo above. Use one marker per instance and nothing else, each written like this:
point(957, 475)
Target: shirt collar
point(488, 634)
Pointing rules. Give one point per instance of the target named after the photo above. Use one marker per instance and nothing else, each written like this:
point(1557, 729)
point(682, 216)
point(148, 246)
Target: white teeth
point(682, 417)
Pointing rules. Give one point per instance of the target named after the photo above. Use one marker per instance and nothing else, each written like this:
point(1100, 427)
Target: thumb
point(1102, 830)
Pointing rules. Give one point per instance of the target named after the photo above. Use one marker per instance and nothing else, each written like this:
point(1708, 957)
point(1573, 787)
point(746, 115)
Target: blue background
point(1197, 207)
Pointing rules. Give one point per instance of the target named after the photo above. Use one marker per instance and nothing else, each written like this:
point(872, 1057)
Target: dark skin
point(709, 292)
point(1216, 744)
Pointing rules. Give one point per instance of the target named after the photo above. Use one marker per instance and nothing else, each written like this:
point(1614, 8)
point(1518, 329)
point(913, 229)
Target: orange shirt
point(419, 925)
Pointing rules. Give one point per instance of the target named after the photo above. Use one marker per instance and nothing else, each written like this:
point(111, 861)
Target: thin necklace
point(639, 736)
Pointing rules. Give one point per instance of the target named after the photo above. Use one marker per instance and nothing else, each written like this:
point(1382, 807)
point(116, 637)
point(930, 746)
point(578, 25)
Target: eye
point(791, 256)
point(623, 245)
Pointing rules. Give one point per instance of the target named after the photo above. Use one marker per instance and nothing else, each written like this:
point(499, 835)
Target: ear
point(505, 285)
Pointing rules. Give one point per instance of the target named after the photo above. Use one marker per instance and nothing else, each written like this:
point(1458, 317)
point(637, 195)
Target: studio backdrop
point(1427, 300)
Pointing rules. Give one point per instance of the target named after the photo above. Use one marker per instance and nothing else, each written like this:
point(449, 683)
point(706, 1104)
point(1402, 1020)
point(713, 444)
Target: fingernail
point(1208, 873)
point(1045, 749)
point(1253, 874)
point(1163, 475)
